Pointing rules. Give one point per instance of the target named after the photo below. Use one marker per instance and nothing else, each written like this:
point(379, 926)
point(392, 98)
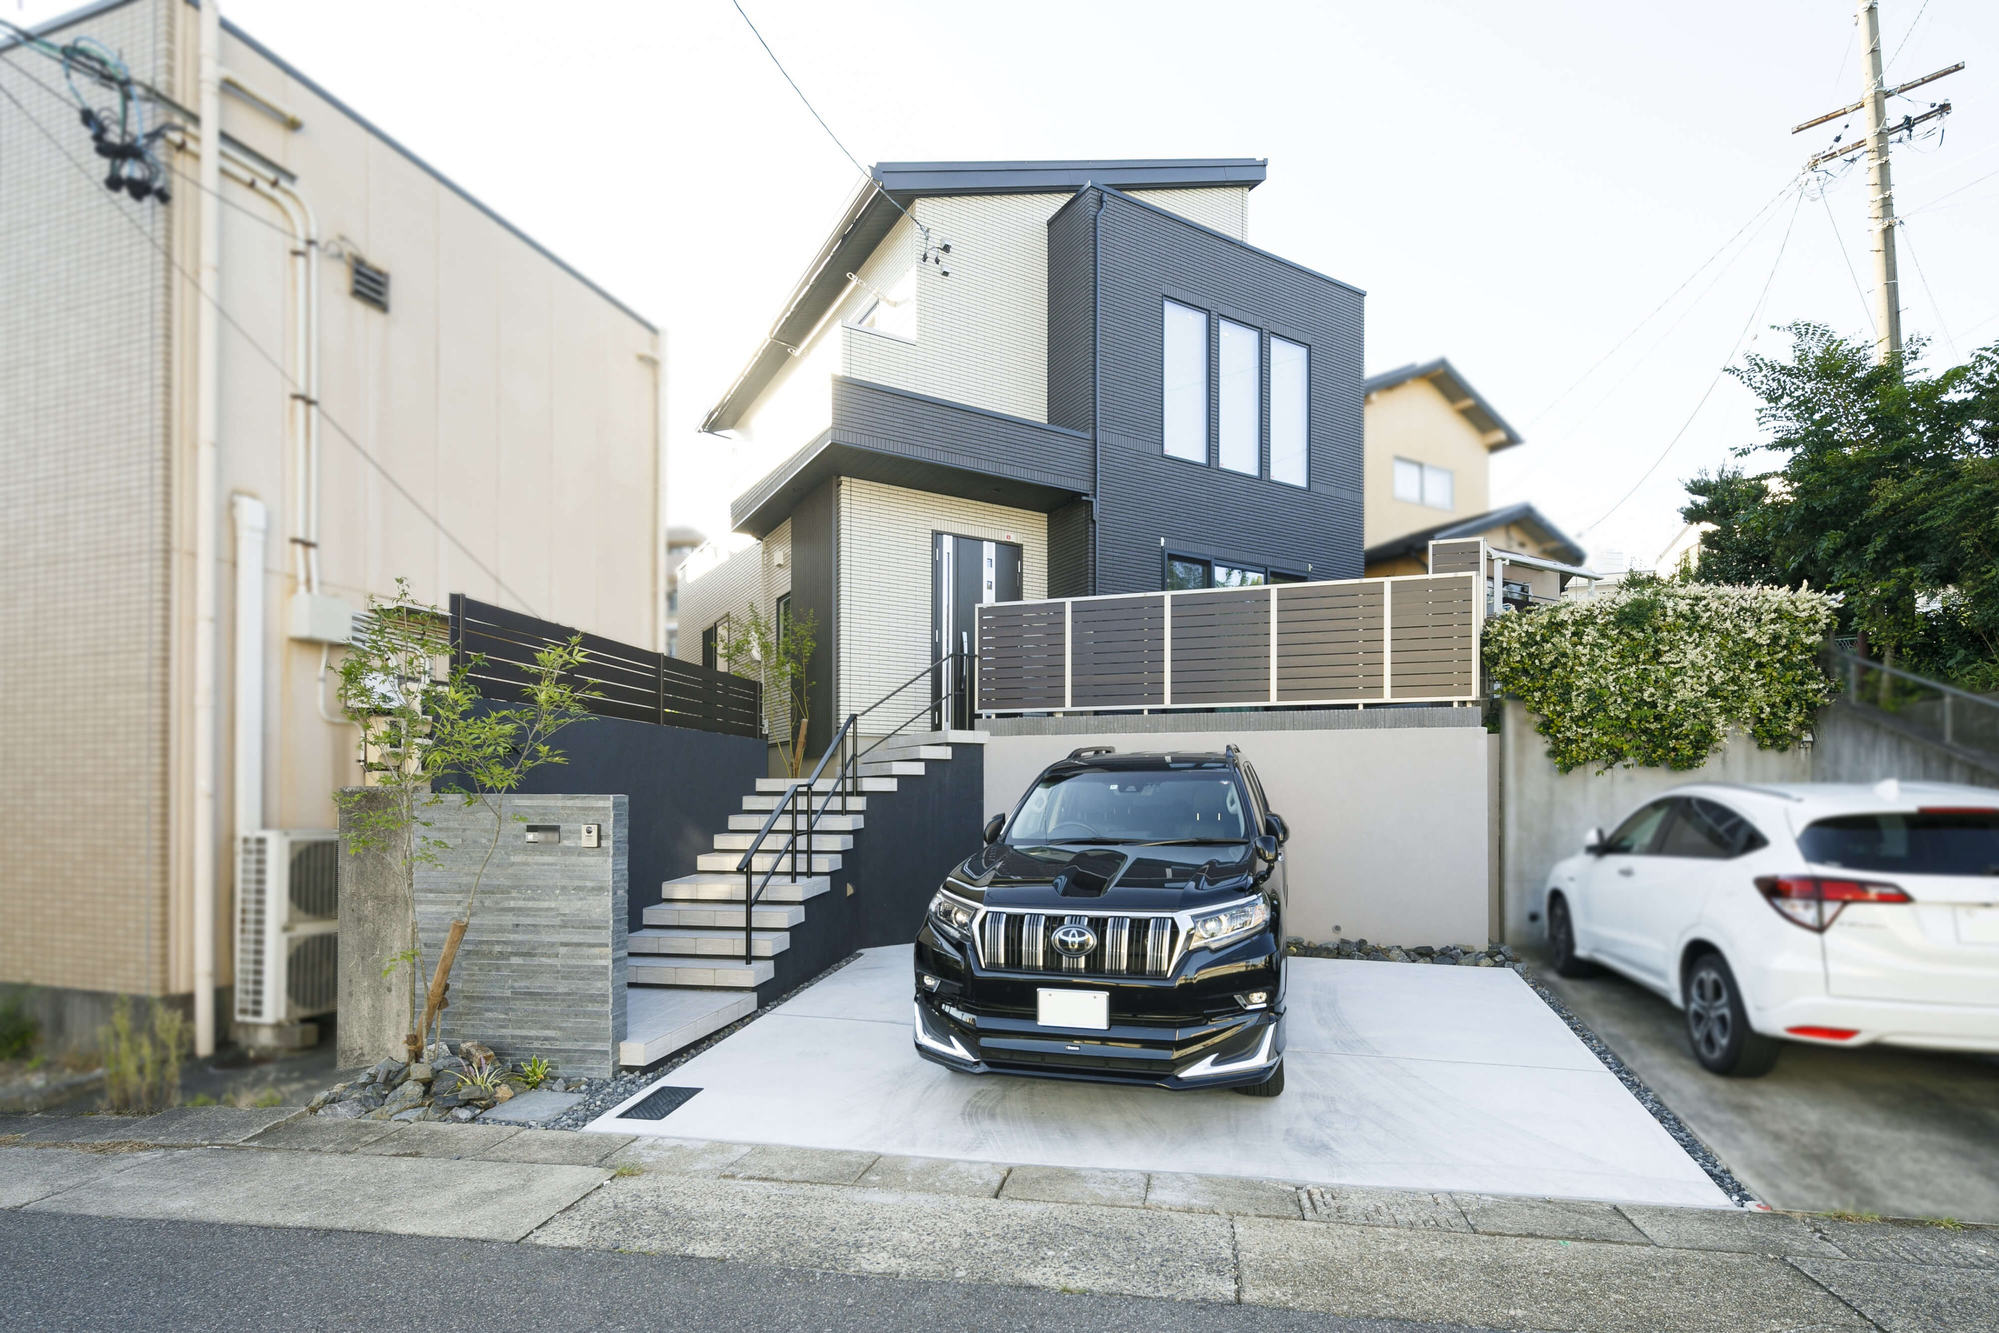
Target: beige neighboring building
point(486, 422)
point(1430, 440)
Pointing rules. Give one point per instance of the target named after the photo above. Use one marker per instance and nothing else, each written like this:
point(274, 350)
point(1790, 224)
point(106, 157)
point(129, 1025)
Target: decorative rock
point(409, 1113)
point(343, 1111)
point(420, 1073)
point(461, 1114)
point(472, 1051)
point(502, 1093)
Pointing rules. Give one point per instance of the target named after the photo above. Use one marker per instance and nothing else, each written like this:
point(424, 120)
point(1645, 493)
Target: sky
point(1590, 209)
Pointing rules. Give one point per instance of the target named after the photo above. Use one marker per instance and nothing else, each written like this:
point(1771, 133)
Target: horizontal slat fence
point(633, 683)
point(1354, 641)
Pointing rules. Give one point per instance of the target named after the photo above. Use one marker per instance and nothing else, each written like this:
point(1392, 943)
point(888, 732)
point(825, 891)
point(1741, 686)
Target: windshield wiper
point(1195, 842)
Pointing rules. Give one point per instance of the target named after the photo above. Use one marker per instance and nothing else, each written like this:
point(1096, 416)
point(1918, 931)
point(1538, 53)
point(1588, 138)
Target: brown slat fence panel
point(1117, 653)
point(1433, 638)
point(1022, 656)
point(1221, 646)
point(1329, 641)
point(627, 682)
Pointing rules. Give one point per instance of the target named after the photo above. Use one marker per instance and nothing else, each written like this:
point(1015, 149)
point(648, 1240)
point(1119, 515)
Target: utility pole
point(1875, 93)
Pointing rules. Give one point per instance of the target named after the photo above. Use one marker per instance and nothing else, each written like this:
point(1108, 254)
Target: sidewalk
point(1462, 1259)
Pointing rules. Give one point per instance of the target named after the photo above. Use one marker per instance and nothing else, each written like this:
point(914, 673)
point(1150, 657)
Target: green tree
point(424, 738)
point(1888, 495)
point(779, 657)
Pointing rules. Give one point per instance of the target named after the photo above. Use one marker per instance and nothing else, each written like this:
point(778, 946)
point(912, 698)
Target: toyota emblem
point(1074, 941)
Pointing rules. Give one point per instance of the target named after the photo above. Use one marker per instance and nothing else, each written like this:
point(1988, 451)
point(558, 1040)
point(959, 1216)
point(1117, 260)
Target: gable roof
point(1458, 392)
point(893, 186)
point(1416, 543)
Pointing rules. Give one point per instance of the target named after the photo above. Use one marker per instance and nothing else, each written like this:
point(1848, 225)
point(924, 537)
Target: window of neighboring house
point(1242, 398)
point(892, 311)
point(782, 620)
point(1186, 381)
point(672, 642)
point(1422, 484)
point(1290, 411)
point(708, 649)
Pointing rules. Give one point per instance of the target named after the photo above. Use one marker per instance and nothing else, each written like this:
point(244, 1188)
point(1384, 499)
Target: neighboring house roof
point(893, 186)
point(1526, 515)
point(1458, 392)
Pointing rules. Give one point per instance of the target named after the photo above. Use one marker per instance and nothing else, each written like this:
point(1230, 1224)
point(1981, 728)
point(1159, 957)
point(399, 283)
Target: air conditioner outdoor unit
point(286, 934)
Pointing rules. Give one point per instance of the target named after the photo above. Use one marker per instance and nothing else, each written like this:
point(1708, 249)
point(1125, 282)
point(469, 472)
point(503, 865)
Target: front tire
point(1270, 1087)
point(1718, 1023)
point(1562, 941)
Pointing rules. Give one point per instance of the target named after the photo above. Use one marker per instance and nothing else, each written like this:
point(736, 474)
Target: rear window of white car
point(1956, 842)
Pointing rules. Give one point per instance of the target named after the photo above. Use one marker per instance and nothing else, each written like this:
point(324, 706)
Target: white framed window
point(1242, 398)
point(892, 312)
point(1186, 392)
point(1290, 411)
point(1424, 484)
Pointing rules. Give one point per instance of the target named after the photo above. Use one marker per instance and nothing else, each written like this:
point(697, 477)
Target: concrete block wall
point(1390, 809)
point(542, 969)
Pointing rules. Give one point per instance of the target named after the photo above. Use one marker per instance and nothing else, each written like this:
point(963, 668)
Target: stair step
point(765, 802)
point(641, 970)
point(660, 1021)
point(828, 785)
point(817, 863)
point(714, 887)
point(892, 768)
point(955, 736)
point(698, 942)
point(831, 822)
point(780, 838)
point(726, 916)
point(913, 752)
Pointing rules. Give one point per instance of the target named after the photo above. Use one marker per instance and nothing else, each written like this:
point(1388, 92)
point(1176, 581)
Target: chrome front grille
point(1138, 946)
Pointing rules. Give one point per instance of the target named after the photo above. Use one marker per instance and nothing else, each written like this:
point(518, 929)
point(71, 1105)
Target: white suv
point(1821, 912)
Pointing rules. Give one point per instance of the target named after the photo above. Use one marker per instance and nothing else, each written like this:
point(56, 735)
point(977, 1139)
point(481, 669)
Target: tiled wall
point(542, 969)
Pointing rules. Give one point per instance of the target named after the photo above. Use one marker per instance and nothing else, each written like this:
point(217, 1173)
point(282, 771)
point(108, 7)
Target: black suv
point(1124, 926)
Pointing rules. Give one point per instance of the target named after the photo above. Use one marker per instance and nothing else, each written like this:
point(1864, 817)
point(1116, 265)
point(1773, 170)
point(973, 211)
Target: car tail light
point(1815, 902)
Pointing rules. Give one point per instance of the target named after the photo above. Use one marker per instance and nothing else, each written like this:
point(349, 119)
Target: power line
point(1851, 272)
point(275, 364)
point(1755, 311)
point(1910, 31)
point(1935, 309)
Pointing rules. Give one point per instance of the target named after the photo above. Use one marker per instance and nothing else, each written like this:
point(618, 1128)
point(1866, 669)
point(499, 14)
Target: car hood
point(1080, 878)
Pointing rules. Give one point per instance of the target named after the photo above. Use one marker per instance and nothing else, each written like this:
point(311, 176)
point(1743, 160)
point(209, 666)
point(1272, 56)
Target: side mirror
point(1267, 849)
point(1274, 825)
point(1593, 844)
point(994, 827)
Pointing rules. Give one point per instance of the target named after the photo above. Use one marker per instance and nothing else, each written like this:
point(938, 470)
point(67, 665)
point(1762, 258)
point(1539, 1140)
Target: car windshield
point(1191, 805)
point(1932, 843)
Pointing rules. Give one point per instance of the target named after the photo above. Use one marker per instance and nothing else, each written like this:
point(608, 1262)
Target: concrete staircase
point(685, 968)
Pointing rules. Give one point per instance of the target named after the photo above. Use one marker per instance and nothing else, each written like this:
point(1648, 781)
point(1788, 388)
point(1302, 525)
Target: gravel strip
point(601, 1094)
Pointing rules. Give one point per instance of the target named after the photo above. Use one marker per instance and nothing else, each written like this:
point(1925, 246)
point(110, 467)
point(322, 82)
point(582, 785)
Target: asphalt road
point(1902, 1133)
point(84, 1273)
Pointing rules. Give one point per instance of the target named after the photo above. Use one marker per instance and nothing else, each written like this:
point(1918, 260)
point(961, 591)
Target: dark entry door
point(968, 572)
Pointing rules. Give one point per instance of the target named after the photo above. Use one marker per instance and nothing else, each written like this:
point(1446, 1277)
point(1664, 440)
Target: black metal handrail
point(843, 744)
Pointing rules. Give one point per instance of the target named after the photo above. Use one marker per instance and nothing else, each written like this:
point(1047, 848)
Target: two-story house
point(1001, 380)
point(1430, 438)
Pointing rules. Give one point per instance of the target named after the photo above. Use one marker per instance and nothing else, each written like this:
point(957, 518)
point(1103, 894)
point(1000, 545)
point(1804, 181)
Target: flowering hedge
point(1655, 673)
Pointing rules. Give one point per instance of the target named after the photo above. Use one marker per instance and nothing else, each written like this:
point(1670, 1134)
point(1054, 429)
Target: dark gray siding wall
point(1069, 550)
point(1149, 255)
point(1071, 313)
point(815, 561)
point(934, 430)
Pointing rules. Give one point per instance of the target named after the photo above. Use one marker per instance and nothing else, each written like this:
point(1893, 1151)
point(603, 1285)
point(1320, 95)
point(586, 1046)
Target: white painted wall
point(1548, 814)
point(1390, 827)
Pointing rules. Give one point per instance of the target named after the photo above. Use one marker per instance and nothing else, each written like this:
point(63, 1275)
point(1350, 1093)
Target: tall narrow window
point(1242, 398)
point(1290, 411)
point(1186, 383)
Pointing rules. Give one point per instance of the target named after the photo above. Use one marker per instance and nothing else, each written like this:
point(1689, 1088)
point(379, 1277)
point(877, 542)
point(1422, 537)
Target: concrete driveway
point(1897, 1132)
point(1422, 1078)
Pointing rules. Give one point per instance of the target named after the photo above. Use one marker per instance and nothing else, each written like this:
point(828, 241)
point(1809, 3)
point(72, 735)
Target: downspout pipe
point(1096, 387)
point(208, 388)
point(252, 523)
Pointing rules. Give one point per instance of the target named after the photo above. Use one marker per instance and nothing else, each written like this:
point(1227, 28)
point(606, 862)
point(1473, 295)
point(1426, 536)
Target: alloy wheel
point(1710, 1013)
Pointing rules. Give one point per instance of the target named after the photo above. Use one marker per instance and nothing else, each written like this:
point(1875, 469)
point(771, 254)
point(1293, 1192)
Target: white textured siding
point(886, 579)
point(1226, 210)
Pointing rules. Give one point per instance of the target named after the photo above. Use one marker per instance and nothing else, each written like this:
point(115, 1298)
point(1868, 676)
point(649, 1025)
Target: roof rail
point(1086, 751)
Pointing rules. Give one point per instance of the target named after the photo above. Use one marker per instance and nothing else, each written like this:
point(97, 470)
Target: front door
point(969, 572)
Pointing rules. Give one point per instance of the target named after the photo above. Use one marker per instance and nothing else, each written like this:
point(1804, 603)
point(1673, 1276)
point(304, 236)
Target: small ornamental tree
point(1654, 673)
point(425, 739)
point(777, 656)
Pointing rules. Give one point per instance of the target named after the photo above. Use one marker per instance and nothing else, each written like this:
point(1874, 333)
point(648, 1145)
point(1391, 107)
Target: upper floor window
point(1290, 411)
point(1422, 484)
point(1186, 395)
point(892, 311)
point(1242, 398)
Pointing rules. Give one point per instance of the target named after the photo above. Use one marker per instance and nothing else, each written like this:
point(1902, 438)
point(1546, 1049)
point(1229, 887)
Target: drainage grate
point(661, 1103)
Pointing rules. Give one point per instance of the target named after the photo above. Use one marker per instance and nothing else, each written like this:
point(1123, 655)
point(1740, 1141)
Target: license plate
point(1074, 1009)
point(1978, 925)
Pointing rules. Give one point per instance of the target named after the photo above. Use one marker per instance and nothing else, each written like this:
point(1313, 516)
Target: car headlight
point(1213, 929)
point(952, 915)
